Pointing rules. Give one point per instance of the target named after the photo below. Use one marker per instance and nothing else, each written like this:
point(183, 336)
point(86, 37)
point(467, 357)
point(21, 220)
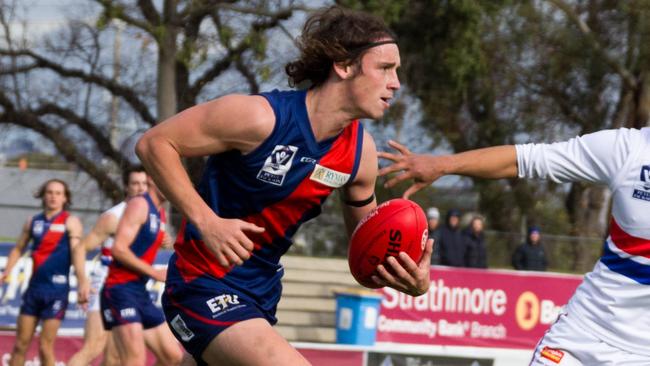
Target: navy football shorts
point(129, 303)
point(44, 304)
point(199, 310)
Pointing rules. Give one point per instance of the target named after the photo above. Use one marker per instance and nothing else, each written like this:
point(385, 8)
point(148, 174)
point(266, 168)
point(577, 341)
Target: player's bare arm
point(78, 252)
point(135, 215)
point(229, 123)
point(492, 162)
point(105, 226)
point(362, 188)
point(17, 250)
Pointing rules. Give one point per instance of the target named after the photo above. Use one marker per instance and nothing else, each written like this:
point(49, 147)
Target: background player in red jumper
point(127, 309)
point(56, 238)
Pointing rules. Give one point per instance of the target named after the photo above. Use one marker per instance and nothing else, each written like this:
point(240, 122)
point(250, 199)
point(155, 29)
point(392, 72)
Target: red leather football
point(397, 225)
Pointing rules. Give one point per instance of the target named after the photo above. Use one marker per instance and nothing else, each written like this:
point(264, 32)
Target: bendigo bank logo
point(530, 311)
point(277, 164)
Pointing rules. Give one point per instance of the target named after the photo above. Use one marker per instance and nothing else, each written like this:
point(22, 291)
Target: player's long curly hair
point(40, 194)
point(330, 36)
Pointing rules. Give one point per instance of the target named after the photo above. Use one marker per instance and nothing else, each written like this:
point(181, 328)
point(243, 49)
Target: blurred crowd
point(458, 246)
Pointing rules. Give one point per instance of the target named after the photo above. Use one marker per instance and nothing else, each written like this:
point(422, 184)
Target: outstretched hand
point(422, 169)
point(405, 275)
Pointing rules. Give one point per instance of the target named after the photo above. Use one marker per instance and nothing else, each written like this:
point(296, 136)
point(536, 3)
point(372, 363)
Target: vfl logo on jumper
point(329, 177)
point(277, 164)
point(153, 223)
point(642, 191)
point(38, 228)
point(181, 328)
point(223, 303)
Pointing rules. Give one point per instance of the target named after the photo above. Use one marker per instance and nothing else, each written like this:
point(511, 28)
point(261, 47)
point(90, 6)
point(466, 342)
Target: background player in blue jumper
point(56, 243)
point(274, 159)
point(127, 309)
point(96, 339)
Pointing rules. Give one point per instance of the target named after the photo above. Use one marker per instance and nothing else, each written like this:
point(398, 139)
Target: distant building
point(17, 202)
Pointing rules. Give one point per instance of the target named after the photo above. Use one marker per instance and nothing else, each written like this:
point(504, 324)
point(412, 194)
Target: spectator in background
point(474, 243)
point(530, 256)
point(451, 245)
point(433, 216)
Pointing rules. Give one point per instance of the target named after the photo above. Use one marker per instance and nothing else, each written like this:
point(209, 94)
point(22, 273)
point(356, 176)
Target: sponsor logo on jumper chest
point(277, 164)
point(329, 177)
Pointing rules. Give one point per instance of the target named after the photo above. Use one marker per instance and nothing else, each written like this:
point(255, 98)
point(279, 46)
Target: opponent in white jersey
point(95, 337)
point(607, 319)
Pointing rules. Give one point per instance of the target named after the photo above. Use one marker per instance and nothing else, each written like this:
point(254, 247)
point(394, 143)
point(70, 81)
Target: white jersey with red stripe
point(107, 245)
point(100, 268)
point(613, 300)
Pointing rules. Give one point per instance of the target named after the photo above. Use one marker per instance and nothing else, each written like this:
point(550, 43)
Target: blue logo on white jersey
point(642, 191)
point(277, 164)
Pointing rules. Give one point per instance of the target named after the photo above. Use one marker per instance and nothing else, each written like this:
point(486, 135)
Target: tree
point(186, 50)
point(501, 72)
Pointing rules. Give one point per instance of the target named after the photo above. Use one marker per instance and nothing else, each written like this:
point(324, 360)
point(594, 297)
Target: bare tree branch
point(126, 93)
point(625, 74)
point(117, 11)
point(18, 69)
point(248, 75)
point(98, 136)
point(221, 65)
point(62, 143)
point(10, 44)
point(149, 11)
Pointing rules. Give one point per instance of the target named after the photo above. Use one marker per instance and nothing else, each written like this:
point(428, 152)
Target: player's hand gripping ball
point(395, 226)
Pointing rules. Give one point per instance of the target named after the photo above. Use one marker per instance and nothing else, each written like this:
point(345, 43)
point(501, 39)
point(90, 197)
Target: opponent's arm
point(17, 250)
point(231, 122)
point(78, 252)
point(105, 226)
point(491, 162)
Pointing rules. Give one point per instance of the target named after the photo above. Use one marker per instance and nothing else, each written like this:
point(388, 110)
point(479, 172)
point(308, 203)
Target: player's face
point(137, 184)
point(54, 197)
point(376, 83)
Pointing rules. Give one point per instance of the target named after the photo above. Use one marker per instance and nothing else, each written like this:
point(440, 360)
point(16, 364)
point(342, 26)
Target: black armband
point(361, 203)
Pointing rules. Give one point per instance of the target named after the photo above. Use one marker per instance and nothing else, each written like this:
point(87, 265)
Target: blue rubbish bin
point(356, 316)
